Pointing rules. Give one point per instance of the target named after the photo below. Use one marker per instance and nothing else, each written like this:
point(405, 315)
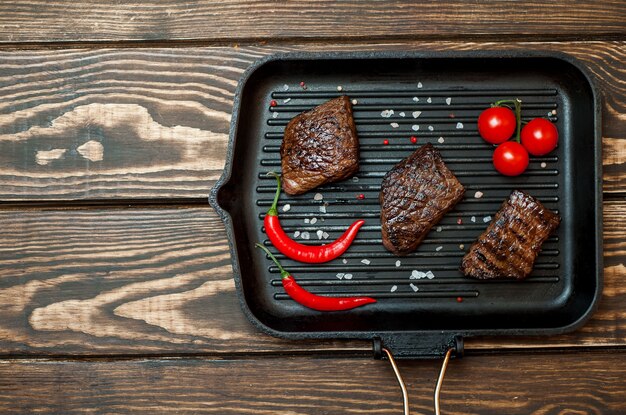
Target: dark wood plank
point(572, 383)
point(153, 123)
point(65, 20)
point(141, 281)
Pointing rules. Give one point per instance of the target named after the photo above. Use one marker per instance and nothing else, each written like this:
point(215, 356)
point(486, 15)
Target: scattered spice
point(413, 139)
point(386, 142)
point(459, 299)
point(553, 112)
point(459, 221)
point(360, 196)
point(451, 115)
point(273, 103)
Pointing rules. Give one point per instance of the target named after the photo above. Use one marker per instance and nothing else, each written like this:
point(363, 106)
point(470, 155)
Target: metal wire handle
point(405, 395)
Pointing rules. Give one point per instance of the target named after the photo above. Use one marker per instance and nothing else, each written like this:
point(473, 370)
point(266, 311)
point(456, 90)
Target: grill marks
point(509, 246)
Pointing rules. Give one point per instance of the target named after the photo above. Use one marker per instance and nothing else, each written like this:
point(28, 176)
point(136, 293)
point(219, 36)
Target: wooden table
point(116, 290)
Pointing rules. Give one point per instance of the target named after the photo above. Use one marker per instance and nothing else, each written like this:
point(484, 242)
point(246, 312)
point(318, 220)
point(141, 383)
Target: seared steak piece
point(320, 146)
point(509, 246)
point(414, 196)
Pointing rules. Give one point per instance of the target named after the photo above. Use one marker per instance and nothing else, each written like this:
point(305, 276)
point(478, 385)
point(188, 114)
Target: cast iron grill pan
point(449, 93)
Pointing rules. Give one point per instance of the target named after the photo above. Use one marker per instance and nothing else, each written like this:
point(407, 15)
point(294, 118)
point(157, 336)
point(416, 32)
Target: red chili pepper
point(305, 253)
point(314, 301)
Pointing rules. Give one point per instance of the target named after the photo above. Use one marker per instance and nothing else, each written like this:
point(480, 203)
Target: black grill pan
point(449, 90)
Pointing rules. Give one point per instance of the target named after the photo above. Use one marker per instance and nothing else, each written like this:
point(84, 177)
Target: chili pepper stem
point(274, 208)
point(518, 114)
point(283, 273)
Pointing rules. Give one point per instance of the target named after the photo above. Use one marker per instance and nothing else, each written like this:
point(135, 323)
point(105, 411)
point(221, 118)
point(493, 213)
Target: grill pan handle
point(380, 352)
point(418, 345)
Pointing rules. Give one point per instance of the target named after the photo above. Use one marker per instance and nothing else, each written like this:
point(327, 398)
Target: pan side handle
point(418, 345)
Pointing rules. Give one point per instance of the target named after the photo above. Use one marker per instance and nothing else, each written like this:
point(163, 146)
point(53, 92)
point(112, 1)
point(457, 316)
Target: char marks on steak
point(319, 146)
point(414, 196)
point(507, 249)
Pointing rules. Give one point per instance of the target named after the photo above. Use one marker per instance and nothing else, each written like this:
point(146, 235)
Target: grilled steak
point(509, 246)
point(414, 196)
point(320, 146)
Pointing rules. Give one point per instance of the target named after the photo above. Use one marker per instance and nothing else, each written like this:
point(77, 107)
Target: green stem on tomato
point(283, 273)
point(518, 114)
point(274, 208)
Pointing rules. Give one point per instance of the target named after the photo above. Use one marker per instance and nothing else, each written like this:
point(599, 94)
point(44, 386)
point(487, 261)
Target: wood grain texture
point(153, 123)
point(65, 20)
point(537, 384)
point(157, 281)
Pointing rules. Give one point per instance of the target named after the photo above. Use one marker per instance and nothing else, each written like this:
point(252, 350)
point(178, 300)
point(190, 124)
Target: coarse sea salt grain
point(416, 99)
point(386, 113)
point(441, 140)
point(416, 114)
point(355, 179)
point(414, 287)
point(461, 246)
point(430, 275)
point(318, 196)
point(478, 194)
point(354, 102)
point(275, 115)
point(345, 261)
point(398, 263)
point(417, 275)
point(394, 125)
point(487, 219)
point(473, 218)
point(543, 164)
point(415, 127)
point(313, 221)
point(325, 235)
point(431, 128)
point(305, 235)
point(394, 288)
point(339, 88)
point(439, 228)
point(402, 114)
point(322, 209)
point(365, 261)
point(439, 248)
point(287, 208)
point(429, 100)
point(319, 234)
point(448, 101)
point(286, 100)
point(553, 112)
point(419, 84)
point(459, 125)
point(348, 276)
point(307, 220)
point(340, 275)
point(296, 234)
point(285, 87)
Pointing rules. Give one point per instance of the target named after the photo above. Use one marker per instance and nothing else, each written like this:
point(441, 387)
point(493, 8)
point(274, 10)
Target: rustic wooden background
point(116, 290)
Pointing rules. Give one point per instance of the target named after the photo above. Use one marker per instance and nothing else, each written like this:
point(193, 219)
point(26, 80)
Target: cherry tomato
point(510, 158)
point(496, 124)
point(539, 136)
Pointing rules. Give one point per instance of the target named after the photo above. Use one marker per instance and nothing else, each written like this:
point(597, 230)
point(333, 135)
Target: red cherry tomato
point(510, 158)
point(496, 124)
point(539, 136)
